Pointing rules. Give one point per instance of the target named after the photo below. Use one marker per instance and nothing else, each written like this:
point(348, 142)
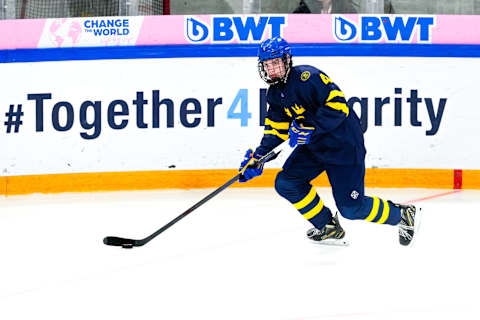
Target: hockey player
point(308, 108)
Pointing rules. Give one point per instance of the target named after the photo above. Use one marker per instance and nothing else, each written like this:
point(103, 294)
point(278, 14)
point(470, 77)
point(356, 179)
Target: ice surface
point(242, 255)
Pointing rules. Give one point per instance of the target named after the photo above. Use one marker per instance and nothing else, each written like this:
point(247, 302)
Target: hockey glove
point(248, 169)
point(298, 133)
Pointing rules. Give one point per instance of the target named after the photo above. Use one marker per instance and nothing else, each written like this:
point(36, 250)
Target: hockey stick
point(130, 243)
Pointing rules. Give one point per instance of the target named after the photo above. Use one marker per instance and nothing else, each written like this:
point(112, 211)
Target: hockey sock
point(380, 211)
point(311, 207)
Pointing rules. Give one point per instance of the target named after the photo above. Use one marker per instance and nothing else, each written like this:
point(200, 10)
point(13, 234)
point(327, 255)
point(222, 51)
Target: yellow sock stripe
point(373, 213)
point(306, 201)
point(316, 210)
point(335, 93)
point(385, 213)
point(338, 106)
point(276, 133)
point(277, 125)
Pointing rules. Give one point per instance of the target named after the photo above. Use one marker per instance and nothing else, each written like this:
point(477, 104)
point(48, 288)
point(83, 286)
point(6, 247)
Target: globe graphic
point(65, 32)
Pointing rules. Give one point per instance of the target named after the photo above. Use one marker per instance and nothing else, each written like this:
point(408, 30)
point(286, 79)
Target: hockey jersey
point(309, 92)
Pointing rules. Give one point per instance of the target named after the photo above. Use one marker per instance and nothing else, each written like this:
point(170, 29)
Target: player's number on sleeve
point(242, 100)
point(325, 78)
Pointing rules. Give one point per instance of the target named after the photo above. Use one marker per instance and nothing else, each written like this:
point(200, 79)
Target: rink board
point(180, 112)
point(238, 29)
point(150, 180)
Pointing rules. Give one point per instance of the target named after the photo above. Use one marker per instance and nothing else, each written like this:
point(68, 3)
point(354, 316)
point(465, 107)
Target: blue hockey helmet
point(275, 47)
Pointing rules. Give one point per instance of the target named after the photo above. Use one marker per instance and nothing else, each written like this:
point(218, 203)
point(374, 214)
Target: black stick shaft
point(195, 206)
point(120, 241)
point(265, 158)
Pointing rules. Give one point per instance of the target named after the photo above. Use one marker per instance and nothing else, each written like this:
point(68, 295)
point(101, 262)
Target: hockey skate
point(331, 234)
point(408, 224)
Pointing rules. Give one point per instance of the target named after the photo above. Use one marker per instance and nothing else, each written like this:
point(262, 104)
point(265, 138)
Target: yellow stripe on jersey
point(277, 125)
point(385, 213)
point(306, 201)
point(316, 210)
point(339, 106)
point(374, 212)
point(334, 94)
point(276, 133)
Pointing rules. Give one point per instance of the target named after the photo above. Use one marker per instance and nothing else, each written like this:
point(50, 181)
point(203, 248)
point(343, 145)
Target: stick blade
point(120, 242)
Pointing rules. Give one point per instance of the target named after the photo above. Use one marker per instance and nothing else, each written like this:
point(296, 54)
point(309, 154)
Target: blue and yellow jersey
point(309, 92)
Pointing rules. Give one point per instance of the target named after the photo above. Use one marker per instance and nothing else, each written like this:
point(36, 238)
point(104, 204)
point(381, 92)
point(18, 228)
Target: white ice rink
point(243, 255)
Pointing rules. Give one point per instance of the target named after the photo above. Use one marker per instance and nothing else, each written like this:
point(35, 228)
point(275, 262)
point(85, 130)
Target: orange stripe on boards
point(409, 178)
point(3, 185)
point(135, 180)
point(110, 181)
point(470, 179)
point(188, 179)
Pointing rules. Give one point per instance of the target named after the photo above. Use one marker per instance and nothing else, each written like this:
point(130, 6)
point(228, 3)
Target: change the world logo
point(222, 29)
point(107, 27)
point(384, 28)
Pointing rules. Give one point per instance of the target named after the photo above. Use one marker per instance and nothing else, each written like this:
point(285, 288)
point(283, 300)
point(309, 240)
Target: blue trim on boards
point(238, 50)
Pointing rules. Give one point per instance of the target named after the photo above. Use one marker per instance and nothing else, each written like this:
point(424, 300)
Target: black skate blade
point(332, 242)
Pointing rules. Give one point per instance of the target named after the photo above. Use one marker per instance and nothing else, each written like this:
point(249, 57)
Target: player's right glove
point(247, 169)
point(299, 134)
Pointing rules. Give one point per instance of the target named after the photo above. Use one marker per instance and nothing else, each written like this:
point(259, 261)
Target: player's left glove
point(298, 133)
point(247, 171)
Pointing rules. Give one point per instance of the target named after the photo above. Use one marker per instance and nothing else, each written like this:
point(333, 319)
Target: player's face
point(275, 68)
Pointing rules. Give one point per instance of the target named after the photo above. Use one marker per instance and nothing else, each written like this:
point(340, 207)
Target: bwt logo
point(389, 28)
point(228, 29)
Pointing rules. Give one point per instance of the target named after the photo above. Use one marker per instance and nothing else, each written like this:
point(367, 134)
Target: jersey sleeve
point(276, 130)
point(330, 107)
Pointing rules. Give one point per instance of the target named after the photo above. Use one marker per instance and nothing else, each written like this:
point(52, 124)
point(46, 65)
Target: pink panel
point(316, 28)
point(20, 34)
point(162, 30)
point(299, 28)
point(457, 29)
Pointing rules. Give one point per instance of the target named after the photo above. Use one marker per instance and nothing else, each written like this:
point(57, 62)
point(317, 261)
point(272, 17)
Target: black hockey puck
point(127, 246)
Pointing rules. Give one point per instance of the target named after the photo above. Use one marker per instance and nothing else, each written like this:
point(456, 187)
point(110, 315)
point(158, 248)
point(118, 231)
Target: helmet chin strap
point(283, 79)
point(287, 73)
point(287, 62)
